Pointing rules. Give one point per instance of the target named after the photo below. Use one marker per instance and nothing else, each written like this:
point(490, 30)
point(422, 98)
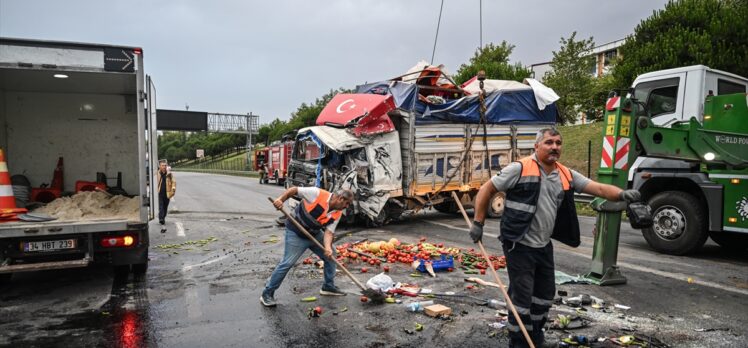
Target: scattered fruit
point(364, 299)
point(364, 270)
point(309, 299)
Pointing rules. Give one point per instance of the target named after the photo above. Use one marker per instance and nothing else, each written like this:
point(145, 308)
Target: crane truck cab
point(686, 198)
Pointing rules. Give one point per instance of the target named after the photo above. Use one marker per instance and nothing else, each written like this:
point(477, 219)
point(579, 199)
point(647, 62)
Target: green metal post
point(618, 153)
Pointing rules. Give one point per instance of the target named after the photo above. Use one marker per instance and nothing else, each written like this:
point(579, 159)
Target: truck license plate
point(49, 245)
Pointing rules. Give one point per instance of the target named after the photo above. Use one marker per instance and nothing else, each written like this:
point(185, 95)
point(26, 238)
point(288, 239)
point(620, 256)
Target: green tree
point(687, 32)
point(570, 77)
point(494, 60)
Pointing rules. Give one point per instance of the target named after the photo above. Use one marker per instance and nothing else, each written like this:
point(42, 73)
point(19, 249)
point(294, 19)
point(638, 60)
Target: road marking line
point(671, 275)
point(193, 303)
point(180, 229)
point(190, 267)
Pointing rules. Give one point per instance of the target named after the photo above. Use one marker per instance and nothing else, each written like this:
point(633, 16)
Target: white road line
point(180, 229)
point(190, 267)
point(194, 310)
point(671, 275)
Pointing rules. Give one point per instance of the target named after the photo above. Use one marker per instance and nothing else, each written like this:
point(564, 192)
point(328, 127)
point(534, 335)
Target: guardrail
point(583, 198)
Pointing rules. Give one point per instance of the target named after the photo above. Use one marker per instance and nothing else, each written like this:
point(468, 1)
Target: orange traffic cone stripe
point(8, 207)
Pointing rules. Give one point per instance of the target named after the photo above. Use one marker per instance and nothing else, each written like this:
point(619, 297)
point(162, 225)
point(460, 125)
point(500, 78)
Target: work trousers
point(295, 247)
point(531, 288)
point(163, 206)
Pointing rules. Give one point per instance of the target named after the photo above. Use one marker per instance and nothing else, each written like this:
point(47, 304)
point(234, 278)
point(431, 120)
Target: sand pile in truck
point(93, 206)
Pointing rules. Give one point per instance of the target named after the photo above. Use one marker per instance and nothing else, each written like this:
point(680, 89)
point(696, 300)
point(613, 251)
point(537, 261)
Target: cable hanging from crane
point(438, 23)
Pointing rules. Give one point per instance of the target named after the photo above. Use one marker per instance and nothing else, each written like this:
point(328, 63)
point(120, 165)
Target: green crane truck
point(680, 136)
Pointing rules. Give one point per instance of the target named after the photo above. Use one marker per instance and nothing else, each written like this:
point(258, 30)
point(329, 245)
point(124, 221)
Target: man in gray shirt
point(539, 206)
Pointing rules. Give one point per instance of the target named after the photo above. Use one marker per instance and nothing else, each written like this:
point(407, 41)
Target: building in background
point(604, 56)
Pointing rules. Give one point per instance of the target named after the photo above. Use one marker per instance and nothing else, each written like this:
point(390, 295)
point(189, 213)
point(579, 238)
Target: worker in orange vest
point(539, 205)
point(319, 212)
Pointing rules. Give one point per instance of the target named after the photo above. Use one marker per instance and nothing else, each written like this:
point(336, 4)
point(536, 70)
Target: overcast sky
point(268, 57)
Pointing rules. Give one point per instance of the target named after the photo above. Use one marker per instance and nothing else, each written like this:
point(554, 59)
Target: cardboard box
point(437, 309)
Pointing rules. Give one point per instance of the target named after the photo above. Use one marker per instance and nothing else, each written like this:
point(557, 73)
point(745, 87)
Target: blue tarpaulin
point(502, 106)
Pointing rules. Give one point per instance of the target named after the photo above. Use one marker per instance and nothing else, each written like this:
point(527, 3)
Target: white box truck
point(94, 106)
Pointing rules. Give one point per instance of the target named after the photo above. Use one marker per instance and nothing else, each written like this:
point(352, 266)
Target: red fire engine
point(278, 156)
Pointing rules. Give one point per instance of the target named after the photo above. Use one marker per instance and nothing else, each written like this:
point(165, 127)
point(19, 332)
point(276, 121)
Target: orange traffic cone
point(8, 209)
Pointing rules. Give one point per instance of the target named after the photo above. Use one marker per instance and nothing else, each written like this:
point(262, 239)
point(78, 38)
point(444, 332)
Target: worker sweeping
point(319, 213)
point(539, 205)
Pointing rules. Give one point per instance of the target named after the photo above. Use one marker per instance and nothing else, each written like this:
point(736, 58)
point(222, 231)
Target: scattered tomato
point(386, 268)
point(364, 299)
point(373, 262)
point(364, 270)
point(482, 271)
point(318, 310)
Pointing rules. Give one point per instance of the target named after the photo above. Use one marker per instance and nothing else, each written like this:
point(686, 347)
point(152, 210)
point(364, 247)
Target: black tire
point(679, 223)
point(5, 278)
point(448, 207)
point(496, 205)
point(140, 268)
point(730, 241)
point(121, 271)
point(278, 180)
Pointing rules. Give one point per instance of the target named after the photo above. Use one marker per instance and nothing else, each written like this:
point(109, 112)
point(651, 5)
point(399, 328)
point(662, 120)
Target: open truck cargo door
point(152, 144)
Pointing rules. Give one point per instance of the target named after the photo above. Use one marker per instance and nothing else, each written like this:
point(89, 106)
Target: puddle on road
point(122, 321)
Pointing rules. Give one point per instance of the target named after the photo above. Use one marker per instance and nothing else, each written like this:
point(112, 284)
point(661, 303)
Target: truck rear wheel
point(278, 180)
point(449, 207)
point(730, 241)
point(140, 268)
point(496, 205)
point(679, 223)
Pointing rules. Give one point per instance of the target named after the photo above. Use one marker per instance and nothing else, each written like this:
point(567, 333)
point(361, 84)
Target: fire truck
point(278, 155)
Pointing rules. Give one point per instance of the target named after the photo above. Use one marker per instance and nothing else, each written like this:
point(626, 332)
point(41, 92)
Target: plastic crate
point(89, 186)
point(443, 264)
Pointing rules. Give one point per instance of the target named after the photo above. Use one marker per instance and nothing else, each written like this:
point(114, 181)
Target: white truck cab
point(675, 95)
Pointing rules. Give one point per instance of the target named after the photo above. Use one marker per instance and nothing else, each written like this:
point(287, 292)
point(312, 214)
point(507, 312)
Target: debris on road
point(309, 299)
point(437, 310)
point(188, 244)
point(563, 278)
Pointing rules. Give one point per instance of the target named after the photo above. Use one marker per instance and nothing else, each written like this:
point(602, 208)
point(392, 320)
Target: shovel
point(373, 295)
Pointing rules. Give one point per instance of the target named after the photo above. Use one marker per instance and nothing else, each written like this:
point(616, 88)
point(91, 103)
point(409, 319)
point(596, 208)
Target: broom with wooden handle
point(495, 275)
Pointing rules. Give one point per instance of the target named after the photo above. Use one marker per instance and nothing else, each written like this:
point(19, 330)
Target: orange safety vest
point(521, 201)
point(316, 215)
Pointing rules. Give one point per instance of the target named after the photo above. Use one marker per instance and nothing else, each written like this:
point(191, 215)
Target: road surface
point(201, 295)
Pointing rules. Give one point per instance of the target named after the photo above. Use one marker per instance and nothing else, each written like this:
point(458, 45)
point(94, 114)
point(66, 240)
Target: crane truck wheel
point(730, 241)
point(679, 224)
point(496, 206)
point(278, 180)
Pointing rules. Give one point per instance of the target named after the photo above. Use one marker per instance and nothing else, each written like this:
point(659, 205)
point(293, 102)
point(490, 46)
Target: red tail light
point(137, 51)
point(118, 241)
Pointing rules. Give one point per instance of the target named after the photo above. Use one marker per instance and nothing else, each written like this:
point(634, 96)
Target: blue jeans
point(294, 248)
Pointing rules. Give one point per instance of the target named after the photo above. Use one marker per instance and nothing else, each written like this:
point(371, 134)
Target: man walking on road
point(539, 205)
point(167, 187)
point(319, 212)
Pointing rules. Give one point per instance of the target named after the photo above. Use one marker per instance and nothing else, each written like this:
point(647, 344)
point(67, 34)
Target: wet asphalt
point(199, 294)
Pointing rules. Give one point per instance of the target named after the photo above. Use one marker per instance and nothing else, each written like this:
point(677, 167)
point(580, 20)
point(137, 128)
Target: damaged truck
point(406, 144)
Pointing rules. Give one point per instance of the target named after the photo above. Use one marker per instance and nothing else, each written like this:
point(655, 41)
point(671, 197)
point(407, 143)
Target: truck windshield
point(660, 97)
point(307, 150)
